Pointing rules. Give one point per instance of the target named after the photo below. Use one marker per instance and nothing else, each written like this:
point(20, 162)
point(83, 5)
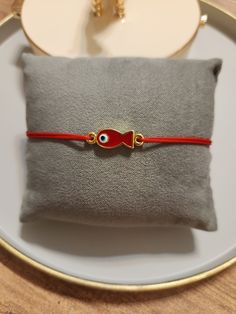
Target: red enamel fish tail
point(128, 139)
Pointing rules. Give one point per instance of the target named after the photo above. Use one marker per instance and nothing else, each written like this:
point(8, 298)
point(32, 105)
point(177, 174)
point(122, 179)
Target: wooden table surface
point(26, 290)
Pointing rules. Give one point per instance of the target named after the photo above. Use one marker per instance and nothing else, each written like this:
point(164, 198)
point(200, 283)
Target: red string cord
point(59, 136)
point(81, 137)
point(186, 140)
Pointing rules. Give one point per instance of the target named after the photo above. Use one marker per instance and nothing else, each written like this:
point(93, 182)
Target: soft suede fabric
point(153, 185)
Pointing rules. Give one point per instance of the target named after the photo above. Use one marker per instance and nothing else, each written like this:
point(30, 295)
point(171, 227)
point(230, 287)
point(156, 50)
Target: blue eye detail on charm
point(103, 138)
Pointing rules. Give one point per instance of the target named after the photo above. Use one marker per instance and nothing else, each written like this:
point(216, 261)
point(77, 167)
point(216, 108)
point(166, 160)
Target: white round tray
point(161, 28)
point(130, 259)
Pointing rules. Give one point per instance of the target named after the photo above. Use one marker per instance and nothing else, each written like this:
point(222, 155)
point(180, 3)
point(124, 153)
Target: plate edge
point(116, 287)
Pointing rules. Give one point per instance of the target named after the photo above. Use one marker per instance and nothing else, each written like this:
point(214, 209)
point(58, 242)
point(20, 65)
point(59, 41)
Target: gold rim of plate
point(116, 287)
point(120, 287)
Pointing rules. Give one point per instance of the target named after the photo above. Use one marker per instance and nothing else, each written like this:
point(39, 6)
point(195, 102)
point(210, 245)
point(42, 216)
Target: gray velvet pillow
point(157, 184)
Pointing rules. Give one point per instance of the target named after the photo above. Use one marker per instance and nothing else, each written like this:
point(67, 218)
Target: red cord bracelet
point(110, 138)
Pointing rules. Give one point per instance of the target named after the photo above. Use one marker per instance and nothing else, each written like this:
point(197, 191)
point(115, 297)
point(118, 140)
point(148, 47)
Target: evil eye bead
point(103, 138)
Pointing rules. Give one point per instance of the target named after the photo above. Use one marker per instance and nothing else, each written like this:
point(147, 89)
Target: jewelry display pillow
point(71, 176)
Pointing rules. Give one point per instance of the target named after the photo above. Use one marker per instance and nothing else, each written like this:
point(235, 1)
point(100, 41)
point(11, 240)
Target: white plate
point(129, 259)
point(76, 32)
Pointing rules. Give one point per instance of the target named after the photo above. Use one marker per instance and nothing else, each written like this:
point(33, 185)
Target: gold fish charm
point(110, 138)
